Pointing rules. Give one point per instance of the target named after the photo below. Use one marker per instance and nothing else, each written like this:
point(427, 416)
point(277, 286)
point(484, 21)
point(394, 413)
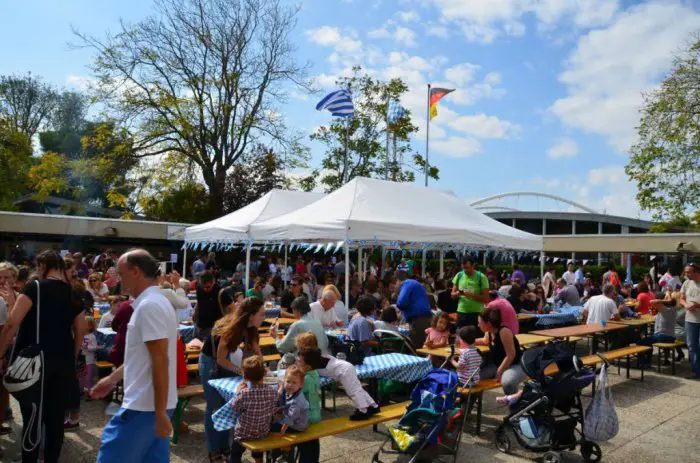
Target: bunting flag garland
point(436, 95)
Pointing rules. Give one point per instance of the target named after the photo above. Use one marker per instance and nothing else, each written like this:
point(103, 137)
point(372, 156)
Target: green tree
point(250, 179)
point(665, 162)
point(15, 161)
point(27, 103)
point(186, 203)
point(366, 136)
point(202, 78)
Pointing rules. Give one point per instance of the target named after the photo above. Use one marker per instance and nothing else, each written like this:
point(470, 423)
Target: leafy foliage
point(15, 161)
point(27, 103)
point(202, 78)
point(366, 136)
point(259, 173)
point(665, 163)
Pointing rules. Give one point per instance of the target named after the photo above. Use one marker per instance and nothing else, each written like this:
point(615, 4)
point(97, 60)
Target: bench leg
point(177, 418)
point(659, 362)
point(641, 364)
point(673, 363)
point(479, 399)
point(333, 391)
point(628, 366)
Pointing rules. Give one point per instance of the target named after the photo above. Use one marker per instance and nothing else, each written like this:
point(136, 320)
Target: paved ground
point(658, 422)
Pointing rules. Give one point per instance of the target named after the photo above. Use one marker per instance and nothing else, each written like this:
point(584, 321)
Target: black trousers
point(417, 327)
point(57, 386)
point(309, 452)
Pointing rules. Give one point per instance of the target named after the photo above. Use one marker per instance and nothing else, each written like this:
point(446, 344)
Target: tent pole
point(347, 276)
point(247, 267)
point(442, 264)
point(184, 263)
point(285, 265)
point(542, 265)
point(382, 266)
point(424, 262)
point(359, 262)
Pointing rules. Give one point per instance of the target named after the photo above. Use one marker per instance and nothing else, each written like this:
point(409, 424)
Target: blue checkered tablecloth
point(567, 315)
point(394, 366)
point(342, 335)
point(103, 307)
point(272, 313)
point(105, 336)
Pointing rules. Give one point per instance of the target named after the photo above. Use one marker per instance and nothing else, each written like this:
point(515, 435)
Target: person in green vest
point(471, 287)
point(256, 290)
point(411, 264)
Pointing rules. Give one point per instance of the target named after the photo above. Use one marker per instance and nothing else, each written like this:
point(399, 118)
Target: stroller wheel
point(502, 440)
point(590, 451)
point(551, 457)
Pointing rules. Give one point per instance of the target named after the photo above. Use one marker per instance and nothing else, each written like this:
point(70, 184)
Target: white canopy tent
point(370, 211)
point(235, 227)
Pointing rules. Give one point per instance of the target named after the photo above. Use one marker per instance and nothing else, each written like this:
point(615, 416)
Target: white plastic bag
point(601, 423)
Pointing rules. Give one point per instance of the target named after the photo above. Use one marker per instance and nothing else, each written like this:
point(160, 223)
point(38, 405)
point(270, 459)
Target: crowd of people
point(49, 308)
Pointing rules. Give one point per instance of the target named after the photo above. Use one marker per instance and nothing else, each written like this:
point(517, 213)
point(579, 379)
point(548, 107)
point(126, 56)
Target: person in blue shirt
point(580, 274)
point(360, 329)
point(198, 266)
point(413, 303)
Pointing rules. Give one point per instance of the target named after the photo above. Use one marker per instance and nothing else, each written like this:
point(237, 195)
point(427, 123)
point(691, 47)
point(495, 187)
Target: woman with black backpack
point(42, 365)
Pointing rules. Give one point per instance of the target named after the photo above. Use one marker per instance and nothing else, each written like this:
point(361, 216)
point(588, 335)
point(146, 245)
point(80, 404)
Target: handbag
point(601, 423)
point(25, 377)
point(218, 372)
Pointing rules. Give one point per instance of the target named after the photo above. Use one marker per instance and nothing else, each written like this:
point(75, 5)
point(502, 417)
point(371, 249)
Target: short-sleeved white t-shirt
point(600, 308)
point(154, 318)
point(692, 294)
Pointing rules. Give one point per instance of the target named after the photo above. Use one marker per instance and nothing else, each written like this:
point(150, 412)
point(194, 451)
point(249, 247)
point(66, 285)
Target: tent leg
point(285, 265)
point(184, 263)
point(247, 268)
point(359, 263)
point(542, 265)
point(383, 263)
point(442, 264)
point(347, 276)
point(424, 262)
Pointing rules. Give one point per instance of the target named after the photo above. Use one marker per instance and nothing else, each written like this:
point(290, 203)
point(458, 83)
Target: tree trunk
point(216, 194)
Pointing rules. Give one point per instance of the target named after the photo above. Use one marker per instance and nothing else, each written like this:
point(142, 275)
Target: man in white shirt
point(139, 431)
point(690, 301)
point(602, 307)
point(323, 310)
point(569, 276)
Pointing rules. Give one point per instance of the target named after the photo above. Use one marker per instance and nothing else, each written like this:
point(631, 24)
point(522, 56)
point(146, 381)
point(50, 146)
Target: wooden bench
point(616, 354)
point(665, 348)
point(193, 368)
point(184, 395)
point(325, 428)
point(271, 358)
point(475, 396)
point(104, 365)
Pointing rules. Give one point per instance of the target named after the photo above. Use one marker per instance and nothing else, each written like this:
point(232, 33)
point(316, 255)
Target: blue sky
point(547, 90)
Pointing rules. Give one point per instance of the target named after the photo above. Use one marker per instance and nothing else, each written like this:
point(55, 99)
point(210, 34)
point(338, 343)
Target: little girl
point(88, 349)
point(438, 335)
point(340, 371)
point(387, 320)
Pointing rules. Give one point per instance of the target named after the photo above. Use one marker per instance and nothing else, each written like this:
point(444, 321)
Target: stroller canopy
point(534, 361)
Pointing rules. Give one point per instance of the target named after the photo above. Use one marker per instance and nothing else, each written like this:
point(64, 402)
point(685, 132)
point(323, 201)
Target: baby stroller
point(549, 415)
point(431, 419)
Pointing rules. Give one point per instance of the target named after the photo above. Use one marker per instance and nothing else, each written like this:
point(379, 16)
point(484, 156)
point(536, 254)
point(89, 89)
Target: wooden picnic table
point(644, 320)
point(522, 317)
point(524, 340)
point(281, 321)
point(578, 330)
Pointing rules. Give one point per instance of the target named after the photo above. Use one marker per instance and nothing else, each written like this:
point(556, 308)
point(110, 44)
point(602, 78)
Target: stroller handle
point(604, 359)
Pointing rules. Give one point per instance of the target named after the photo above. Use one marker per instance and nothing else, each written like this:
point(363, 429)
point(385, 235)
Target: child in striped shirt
point(469, 360)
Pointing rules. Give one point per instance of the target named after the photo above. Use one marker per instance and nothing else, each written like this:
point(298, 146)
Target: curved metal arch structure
point(499, 208)
point(537, 195)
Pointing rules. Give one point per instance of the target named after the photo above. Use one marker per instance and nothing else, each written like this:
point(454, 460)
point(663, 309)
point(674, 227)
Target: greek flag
point(339, 103)
point(394, 112)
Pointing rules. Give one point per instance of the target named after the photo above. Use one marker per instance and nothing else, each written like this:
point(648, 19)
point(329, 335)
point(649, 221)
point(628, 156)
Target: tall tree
point(201, 78)
point(15, 161)
point(259, 173)
point(27, 103)
point(365, 133)
point(665, 162)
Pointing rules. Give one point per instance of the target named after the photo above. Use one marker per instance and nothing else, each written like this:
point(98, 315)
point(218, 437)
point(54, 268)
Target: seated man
point(568, 293)
point(288, 296)
point(323, 310)
point(599, 309)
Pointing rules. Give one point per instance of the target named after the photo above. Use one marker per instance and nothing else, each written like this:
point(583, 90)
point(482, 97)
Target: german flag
point(436, 95)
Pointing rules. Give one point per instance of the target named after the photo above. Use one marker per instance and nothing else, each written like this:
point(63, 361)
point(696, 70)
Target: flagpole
point(345, 160)
point(427, 139)
point(386, 175)
point(396, 157)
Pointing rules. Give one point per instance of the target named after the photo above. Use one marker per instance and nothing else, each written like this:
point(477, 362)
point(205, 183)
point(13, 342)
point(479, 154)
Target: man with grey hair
point(602, 308)
point(323, 310)
point(139, 431)
point(568, 294)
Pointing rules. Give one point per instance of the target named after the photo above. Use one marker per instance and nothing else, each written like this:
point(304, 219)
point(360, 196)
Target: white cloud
point(609, 69)
point(329, 36)
point(401, 35)
point(408, 16)
point(462, 73)
point(438, 31)
point(80, 82)
point(483, 126)
point(563, 148)
point(613, 193)
point(485, 20)
point(456, 147)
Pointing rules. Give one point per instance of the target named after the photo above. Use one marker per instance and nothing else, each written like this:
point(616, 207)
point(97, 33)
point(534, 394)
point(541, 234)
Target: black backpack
point(354, 351)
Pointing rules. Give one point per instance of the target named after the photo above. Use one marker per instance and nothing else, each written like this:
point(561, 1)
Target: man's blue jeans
point(692, 338)
point(217, 441)
point(130, 436)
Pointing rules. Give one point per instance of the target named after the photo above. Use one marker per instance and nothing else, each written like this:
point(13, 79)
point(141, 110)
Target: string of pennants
point(400, 248)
